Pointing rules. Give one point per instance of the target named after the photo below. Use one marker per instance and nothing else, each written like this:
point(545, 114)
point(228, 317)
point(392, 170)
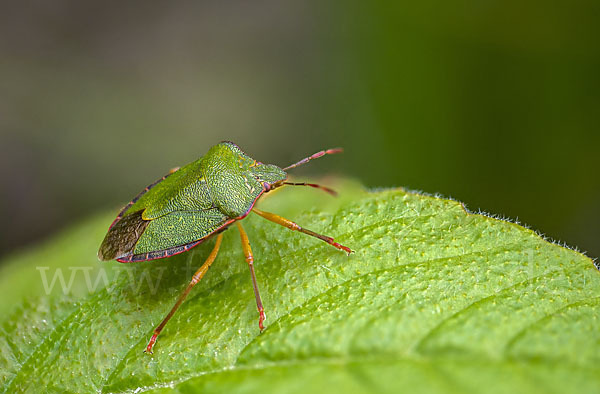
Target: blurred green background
point(494, 103)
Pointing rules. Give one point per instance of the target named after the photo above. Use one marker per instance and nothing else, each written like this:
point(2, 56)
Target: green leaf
point(434, 300)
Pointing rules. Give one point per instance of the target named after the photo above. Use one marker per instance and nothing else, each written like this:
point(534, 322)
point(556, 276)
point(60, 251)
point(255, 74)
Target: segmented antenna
point(315, 156)
point(324, 188)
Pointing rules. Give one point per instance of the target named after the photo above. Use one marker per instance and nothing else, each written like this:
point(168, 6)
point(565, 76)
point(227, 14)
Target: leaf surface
point(434, 300)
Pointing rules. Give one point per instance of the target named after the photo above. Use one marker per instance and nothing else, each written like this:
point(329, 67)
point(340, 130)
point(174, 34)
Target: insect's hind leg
point(250, 261)
point(293, 226)
point(195, 279)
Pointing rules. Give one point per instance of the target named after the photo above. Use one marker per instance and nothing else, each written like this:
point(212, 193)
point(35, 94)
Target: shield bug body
point(189, 205)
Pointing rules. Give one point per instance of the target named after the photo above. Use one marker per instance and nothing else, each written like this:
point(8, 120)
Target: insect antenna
point(324, 188)
point(314, 156)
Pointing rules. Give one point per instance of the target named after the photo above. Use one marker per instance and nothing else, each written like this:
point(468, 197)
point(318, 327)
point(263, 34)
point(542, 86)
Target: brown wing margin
point(123, 233)
point(159, 254)
point(122, 236)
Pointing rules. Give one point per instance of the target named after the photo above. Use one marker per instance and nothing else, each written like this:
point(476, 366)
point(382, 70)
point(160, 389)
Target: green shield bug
point(189, 205)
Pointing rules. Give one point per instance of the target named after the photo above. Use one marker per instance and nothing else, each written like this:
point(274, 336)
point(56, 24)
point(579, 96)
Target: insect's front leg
point(250, 261)
point(295, 227)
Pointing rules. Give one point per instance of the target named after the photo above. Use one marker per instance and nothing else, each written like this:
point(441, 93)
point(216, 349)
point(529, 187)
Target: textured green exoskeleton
point(189, 205)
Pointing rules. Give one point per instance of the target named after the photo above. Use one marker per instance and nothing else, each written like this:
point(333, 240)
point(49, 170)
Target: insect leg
point(293, 226)
point(250, 261)
point(195, 279)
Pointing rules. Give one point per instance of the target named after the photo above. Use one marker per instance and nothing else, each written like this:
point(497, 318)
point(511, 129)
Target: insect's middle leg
point(195, 279)
point(293, 226)
point(250, 261)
